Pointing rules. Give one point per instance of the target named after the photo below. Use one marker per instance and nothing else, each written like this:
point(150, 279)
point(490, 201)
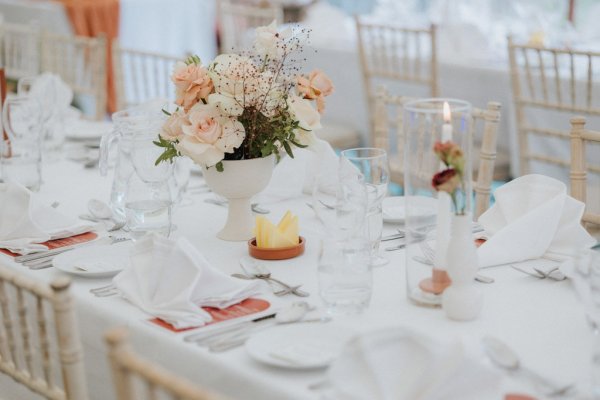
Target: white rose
point(303, 111)
point(270, 41)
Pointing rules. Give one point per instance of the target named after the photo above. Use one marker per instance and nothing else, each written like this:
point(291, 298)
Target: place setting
point(231, 199)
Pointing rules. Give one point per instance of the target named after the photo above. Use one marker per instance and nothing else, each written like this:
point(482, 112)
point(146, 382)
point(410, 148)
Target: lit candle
point(447, 127)
point(444, 202)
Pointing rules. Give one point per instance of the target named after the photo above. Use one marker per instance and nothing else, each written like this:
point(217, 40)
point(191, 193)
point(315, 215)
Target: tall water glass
point(52, 120)
point(371, 164)
point(148, 200)
point(345, 275)
point(20, 150)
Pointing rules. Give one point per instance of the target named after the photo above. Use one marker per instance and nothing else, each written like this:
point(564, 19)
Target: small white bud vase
point(462, 300)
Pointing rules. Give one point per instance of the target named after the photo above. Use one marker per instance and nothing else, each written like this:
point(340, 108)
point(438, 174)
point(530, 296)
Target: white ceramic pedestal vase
point(462, 300)
point(238, 182)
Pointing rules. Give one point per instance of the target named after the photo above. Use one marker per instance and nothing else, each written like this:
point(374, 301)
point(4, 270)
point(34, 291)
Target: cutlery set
point(554, 274)
point(232, 336)
point(43, 259)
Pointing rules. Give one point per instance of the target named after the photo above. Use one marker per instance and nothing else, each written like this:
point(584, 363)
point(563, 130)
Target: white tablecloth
point(541, 319)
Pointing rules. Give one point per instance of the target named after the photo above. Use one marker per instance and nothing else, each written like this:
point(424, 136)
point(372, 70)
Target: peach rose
point(315, 87)
point(209, 135)
point(172, 128)
point(192, 84)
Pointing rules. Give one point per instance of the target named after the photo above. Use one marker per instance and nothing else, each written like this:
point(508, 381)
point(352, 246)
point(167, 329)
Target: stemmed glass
point(372, 165)
point(20, 150)
point(148, 203)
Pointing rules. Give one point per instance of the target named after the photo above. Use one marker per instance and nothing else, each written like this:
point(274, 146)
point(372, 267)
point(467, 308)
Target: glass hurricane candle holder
point(429, 212)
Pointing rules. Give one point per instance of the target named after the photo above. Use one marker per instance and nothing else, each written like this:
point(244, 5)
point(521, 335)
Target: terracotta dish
point(282, 253)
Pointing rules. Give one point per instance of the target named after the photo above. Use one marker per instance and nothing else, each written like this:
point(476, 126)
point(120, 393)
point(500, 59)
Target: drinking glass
point(20, 148)
point(371, 165)
point(586, 280)
point(345, 275)
point(52, 121)
point(148, 201)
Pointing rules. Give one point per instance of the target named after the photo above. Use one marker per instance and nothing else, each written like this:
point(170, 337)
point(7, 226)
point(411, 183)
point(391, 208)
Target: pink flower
point(192, 84)
point(209, 135)
point(172, 128)
point(446, 181)
point(315, 87)
point(203, 125)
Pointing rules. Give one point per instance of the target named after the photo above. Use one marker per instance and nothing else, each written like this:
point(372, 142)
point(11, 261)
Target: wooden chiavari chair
point(127, 368)
point(391, 53)
point(485, 121)
point(580, 137)
point(236, 18)
point(554, 79)
point(20, 50)
point(141, 76)
point(81, 63)
point(30, 338)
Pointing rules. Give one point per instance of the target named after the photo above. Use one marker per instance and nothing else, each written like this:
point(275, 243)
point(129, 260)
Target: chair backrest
point(31, 336)
point(20, 50)
point(554, 79)
point(485, 121)
point(141, 76)
point(579, 165)
point(128, 368)
point(81, 63)
point(237, 18)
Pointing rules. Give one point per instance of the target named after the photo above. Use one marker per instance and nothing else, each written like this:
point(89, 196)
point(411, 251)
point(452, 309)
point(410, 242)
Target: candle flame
point(447, 114)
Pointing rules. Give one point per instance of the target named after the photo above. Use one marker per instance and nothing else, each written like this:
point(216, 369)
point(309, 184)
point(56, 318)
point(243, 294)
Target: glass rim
point(456, 105)
point(380, 152)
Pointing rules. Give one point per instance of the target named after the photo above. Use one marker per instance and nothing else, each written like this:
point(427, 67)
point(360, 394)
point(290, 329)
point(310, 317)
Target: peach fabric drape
point(94, 17)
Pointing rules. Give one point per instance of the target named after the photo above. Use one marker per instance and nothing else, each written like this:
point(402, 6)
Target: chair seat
point(340, 136)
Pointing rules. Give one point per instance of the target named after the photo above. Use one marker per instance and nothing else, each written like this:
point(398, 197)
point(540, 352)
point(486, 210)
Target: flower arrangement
point(450, 179)
point(244, 106)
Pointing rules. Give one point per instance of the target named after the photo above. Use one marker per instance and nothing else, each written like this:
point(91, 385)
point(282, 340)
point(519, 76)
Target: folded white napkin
point(171, 280)
point(404, 364)
point(294, 176)
point(25, 221)
point(533, 217)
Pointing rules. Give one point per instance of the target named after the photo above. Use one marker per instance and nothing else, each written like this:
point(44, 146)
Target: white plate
point(101, 261)
point(298, 346)
point(87, 130)
point(423, 209)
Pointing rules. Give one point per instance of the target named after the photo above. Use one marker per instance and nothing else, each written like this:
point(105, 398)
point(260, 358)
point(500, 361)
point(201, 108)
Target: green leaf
point(288, 149)
point(166, 112)
point(219, 166)
point(302, 146)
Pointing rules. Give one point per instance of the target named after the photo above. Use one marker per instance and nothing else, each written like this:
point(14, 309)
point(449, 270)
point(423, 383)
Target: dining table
point(541, 319)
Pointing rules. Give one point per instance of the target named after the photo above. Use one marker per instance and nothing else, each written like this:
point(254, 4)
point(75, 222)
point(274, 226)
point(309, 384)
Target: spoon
point(282, 292)
point(504, 357)
point(254, 270)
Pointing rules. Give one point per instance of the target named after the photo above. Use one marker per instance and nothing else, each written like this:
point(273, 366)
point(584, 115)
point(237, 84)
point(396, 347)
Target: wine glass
point(20, 150)
point(371, 164)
